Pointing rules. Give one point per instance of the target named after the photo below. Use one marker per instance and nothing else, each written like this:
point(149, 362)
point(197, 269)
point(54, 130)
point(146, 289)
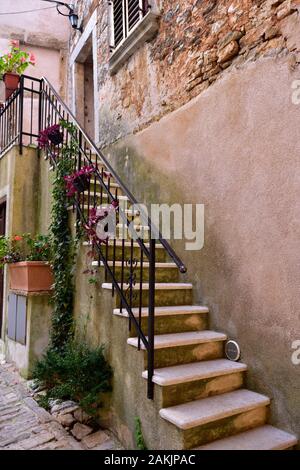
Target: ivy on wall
point(63, 248)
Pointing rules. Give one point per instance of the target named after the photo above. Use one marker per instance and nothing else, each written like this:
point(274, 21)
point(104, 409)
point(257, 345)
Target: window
point(126, 14)
point(17, 318)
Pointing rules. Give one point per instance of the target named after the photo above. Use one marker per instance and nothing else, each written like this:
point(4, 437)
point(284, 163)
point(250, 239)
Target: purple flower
point(50, 135)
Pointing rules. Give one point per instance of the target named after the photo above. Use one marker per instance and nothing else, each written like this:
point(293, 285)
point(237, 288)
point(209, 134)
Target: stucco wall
point(242, 162)
point(25, 183)
point(43, 32)
point(196, 44)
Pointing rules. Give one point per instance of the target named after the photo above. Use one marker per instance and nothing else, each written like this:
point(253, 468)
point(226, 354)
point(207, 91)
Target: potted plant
point(12, 65)
point(79, 181)
point(28, 259)
point(50, 135)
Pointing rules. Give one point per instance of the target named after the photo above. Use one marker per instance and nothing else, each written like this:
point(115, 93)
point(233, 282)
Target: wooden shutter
point(119, 30)
point(126, 14)
point(134, 13)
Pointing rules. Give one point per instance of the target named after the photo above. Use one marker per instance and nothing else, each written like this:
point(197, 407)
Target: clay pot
point(56, 137)
point(81, 183)
point(11, 81)
point(31, 276)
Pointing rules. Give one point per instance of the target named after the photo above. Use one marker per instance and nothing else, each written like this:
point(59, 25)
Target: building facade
point(196, 102)
point(202, 111)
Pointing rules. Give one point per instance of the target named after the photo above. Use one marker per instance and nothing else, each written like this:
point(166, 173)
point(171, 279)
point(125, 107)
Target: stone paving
point(24, 425)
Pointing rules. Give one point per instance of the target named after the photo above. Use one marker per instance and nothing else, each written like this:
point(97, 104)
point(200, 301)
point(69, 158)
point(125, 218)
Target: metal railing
point(129, 263)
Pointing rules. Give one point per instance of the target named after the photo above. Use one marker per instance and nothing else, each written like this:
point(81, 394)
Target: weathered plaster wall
point(218, 79)
point(197, 43)
point(243, 163)
point(42, 27)
point(25, 183)
point(43, 32)
point(37, 335)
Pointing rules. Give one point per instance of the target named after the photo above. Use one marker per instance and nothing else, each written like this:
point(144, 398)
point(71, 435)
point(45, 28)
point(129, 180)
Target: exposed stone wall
point(198, 41)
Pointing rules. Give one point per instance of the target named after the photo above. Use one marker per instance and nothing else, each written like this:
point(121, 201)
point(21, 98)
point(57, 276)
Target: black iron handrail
point(130, 196)
point(19, 122)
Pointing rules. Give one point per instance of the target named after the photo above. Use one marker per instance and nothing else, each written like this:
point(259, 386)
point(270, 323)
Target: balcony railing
point(129, 265)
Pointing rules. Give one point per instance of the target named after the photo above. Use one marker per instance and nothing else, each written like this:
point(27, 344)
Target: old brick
point(82, 416)
point(66, 419)
point(231, 36)
point(272, 32)
point(95, 439)
point(228, 52)
point(81, 430)
point(285, 9)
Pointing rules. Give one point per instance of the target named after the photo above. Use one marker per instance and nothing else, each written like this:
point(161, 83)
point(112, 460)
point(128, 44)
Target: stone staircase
point(199, 392)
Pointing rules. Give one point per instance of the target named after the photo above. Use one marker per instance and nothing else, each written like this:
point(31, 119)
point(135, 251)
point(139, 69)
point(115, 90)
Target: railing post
point(151, 314)
point(21, 116)
point(40, 111)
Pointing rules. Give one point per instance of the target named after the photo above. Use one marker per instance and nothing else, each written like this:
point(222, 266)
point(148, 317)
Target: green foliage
point(78, 373)
point(138, 435)
point(25, 248)
point(63, 258)
point(15, 61)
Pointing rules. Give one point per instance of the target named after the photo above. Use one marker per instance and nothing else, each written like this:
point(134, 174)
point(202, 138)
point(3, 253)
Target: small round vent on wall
point(232, 350)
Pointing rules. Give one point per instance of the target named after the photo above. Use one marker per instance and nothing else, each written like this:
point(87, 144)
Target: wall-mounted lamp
point(73, 17)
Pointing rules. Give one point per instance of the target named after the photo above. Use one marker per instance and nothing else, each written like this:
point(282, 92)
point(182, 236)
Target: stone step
point(160, 252)
point(164, 272)
point(182, 339)
point(195, 371)
point(217, 417)
point(128, 212)
point(127, 244)
point(183, 348)
point(176, 319)
point(167, 311)
point(263, 438)
point(105, 196)
point(188, 382)
point(166, 293)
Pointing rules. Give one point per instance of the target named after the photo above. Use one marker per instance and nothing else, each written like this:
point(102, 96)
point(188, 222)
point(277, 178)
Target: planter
point(31, 276)
point(56, 137)
point(11, 81)
point(81, 183)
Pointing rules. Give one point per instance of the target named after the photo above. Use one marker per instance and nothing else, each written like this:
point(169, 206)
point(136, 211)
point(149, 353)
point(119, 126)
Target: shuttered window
point(126, 14)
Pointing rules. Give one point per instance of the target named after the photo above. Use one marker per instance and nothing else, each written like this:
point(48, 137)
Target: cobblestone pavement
point(26, 426)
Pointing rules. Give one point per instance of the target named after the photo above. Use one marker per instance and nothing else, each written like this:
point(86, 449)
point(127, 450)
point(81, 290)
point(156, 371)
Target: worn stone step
point(217, 417)
point(183, 348)
point(168, 311)
point(160, 253)
point(166, 293)
point(188, 382)
point(128, 212)
point(176, 319)
point(262, 438)
point(164, 272)
point(192, 372)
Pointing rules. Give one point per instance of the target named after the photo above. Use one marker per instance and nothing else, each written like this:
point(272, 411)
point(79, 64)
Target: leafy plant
point(25, 248)
point(15, 61)
point(138, 434)
point(78, 373)
point(79, 180)
point(63, 258)
point(50, 135)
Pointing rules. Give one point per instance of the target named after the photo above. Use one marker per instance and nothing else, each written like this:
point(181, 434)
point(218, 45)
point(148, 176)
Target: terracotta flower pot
point(31, 276)
point(11, 81)
point(56, 137)
point(81, 183)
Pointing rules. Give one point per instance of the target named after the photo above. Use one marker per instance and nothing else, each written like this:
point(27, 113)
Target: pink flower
point(22, 60)
point(32, 59)
point(9, 56)
point(15, 43)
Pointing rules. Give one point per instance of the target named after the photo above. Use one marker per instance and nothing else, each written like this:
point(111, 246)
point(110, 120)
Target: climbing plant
point(63, 247)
